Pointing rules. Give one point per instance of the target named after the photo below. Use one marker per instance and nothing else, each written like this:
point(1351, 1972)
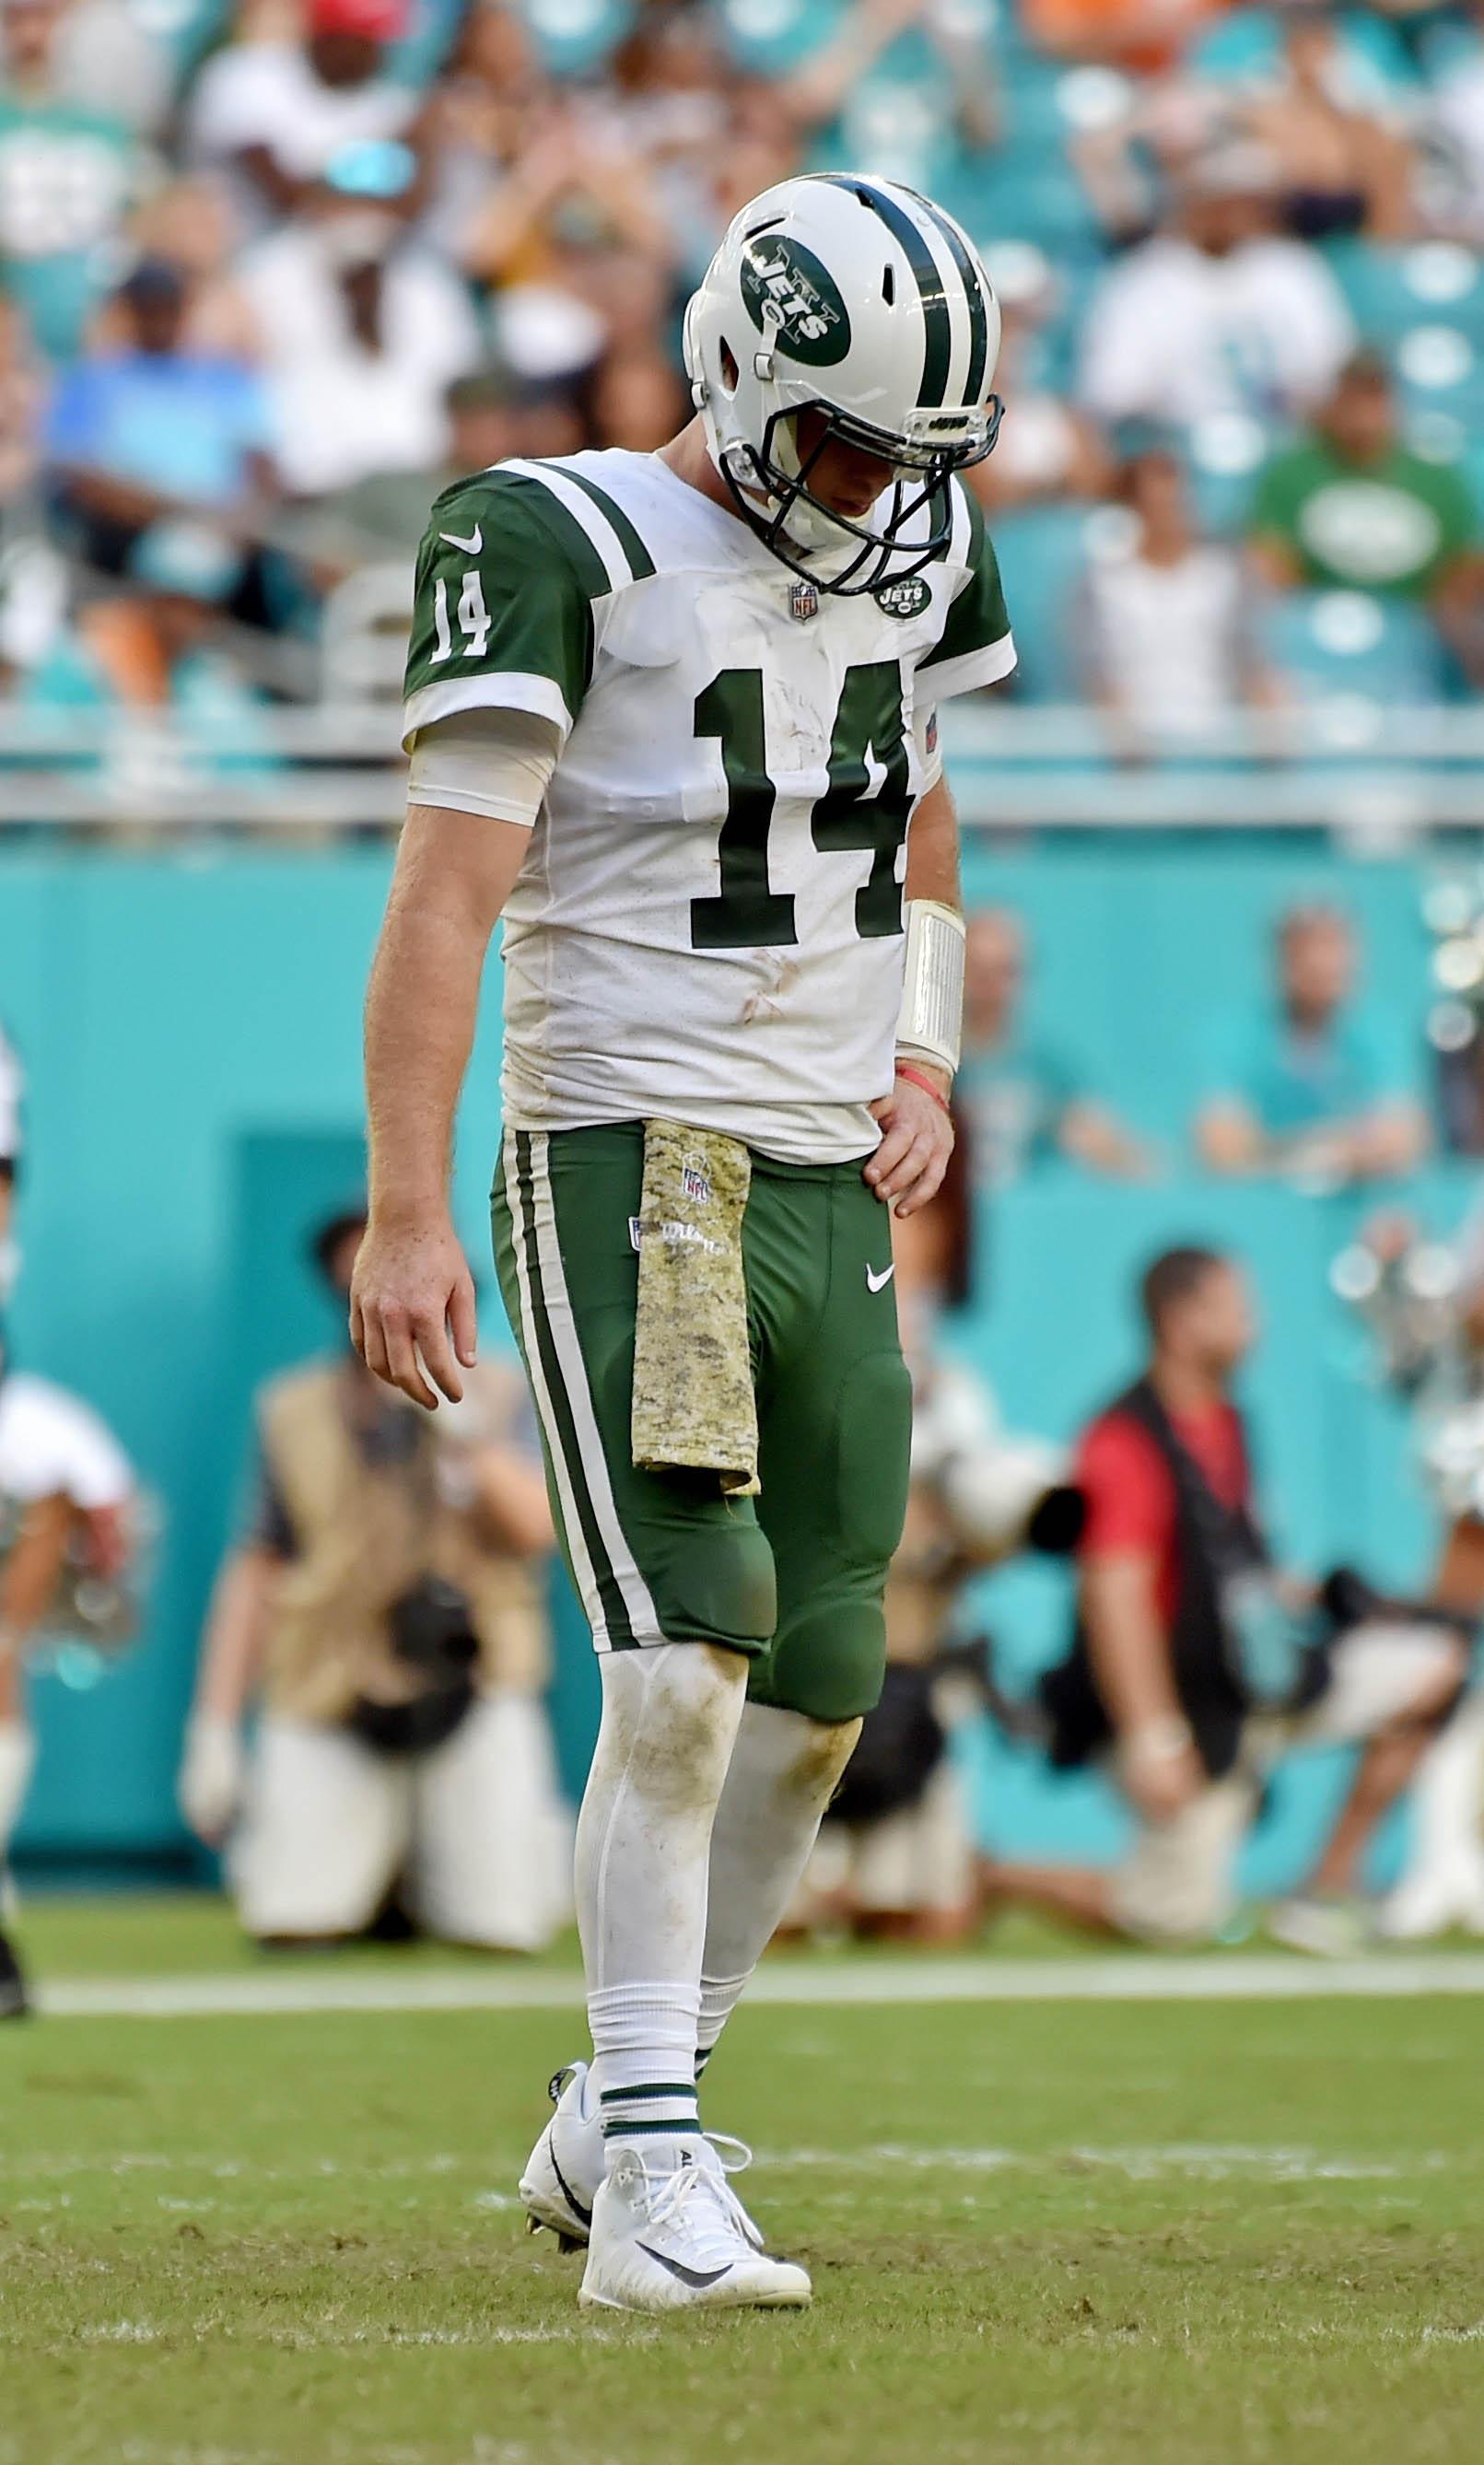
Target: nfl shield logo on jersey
point(803, 601)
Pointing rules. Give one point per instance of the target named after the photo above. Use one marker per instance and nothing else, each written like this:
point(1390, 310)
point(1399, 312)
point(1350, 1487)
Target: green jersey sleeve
point(975, 647)
point(502, 611)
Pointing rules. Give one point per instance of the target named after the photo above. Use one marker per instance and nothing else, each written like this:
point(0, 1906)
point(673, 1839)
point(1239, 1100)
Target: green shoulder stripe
point(628, 537)
point(975, 618)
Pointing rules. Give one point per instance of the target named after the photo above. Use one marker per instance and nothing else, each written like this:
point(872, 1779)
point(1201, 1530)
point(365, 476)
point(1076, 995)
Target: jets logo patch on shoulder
point(905, 598)
point(788, 292)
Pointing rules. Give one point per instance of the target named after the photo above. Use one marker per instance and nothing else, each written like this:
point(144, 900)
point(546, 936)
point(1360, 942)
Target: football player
point(672, 716)
point(66, 1492)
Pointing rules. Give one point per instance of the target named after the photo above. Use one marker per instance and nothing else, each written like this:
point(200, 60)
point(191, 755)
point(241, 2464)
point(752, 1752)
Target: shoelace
point(736, 2157)
point(684, 2192)
point(734, 2154)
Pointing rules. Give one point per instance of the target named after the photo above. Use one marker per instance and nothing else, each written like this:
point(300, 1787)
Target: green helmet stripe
point(973, 284)
point(937, 341)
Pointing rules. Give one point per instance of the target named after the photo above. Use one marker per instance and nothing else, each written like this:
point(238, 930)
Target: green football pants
point(794, 1577)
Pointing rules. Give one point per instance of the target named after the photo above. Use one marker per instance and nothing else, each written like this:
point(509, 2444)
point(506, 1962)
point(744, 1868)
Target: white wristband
point(931, 1023)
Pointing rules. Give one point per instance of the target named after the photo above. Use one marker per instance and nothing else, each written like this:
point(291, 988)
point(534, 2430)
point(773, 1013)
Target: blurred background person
point(161, 658)
point(1195, 1662)
point(1311, 1083)
point(271, 113)
point(68, 176)
point(1022, 1098)
point(1352, 507)
point(66, 1488)
point(385, 1609)
point(1168, 649)
point(491, 414)
point(150, 426)
point(897, 1854)
point(362, 327)
point(1053, 450)
point(1338, 146)
point(1219, 311)
point(1423, 1304)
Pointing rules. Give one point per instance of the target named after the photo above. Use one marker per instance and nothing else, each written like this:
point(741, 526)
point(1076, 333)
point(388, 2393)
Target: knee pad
point(716, 1585)
point(830, 1662)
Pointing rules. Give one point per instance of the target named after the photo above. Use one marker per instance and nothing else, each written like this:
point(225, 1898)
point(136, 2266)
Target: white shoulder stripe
point(961, 544)
point(577, 502)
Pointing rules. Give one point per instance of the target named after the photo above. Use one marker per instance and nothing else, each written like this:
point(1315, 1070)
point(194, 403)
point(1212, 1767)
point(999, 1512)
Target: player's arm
point(498, 666)
point(973, 648)
point(412, 1289)
point(917, 1129)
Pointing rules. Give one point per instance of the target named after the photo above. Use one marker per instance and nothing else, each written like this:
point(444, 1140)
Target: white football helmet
point(859, 299)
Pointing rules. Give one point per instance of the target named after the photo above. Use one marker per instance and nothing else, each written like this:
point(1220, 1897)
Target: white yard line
point(1217, 2161)
point(1129, 1978)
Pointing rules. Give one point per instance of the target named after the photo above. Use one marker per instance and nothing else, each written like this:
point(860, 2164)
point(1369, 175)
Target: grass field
point(1050, 2234)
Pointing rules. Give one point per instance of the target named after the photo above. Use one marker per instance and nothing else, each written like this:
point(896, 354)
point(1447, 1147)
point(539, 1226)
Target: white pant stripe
point(642, 1615)
point(581, 1563)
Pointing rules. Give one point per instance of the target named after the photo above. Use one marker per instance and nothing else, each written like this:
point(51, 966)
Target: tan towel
point(694, 1406)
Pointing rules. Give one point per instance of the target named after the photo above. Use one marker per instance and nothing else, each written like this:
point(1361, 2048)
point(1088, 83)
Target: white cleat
point(1326, 1929)
point(1435, 1902)
point(671, 2242)
point(566, 2168)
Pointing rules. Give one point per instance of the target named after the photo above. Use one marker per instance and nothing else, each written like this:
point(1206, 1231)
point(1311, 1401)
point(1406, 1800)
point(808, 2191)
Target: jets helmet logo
point(791, 296)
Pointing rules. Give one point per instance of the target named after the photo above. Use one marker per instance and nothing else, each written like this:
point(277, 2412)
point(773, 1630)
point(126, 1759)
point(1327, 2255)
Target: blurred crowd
point(270, 274)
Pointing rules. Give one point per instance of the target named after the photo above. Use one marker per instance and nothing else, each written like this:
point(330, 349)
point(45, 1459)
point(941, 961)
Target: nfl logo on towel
point(695, 1185)
point(803, 601)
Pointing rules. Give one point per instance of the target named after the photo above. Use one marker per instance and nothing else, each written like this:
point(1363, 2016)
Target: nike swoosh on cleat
point(570, 2196)
point(697, 2277)
point(471, 545)
point(876, 1282)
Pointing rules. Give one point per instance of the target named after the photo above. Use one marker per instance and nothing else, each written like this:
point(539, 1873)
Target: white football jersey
point(708, 925)
point(52, 1444)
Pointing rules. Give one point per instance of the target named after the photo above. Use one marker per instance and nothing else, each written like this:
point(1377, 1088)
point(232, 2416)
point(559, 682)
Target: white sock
point(17, 1754)
point(784, 1770)
point(670, 1716)
point(1447, 1803)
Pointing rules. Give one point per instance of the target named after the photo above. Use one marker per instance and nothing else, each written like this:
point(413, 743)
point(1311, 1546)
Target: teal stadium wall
point(190, 1029)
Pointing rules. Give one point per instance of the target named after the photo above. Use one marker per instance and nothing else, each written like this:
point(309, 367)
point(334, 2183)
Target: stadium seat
point(1390, 290)
point(576, 36)
point(1042, 552)
point(1353, 646)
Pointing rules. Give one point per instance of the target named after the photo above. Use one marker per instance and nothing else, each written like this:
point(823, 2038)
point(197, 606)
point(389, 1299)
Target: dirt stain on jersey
point(768, 999)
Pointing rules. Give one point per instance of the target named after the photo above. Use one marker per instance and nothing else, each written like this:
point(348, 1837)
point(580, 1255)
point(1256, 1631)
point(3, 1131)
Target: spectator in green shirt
point(1352, 508)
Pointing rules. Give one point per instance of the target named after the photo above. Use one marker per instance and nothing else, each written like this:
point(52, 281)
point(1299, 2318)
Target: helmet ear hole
point(729, 368)
point(889, 286)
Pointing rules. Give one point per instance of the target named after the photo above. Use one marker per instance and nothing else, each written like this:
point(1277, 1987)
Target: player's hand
point(413, 1307)
point(917, 1141)
point(1161, 1775)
